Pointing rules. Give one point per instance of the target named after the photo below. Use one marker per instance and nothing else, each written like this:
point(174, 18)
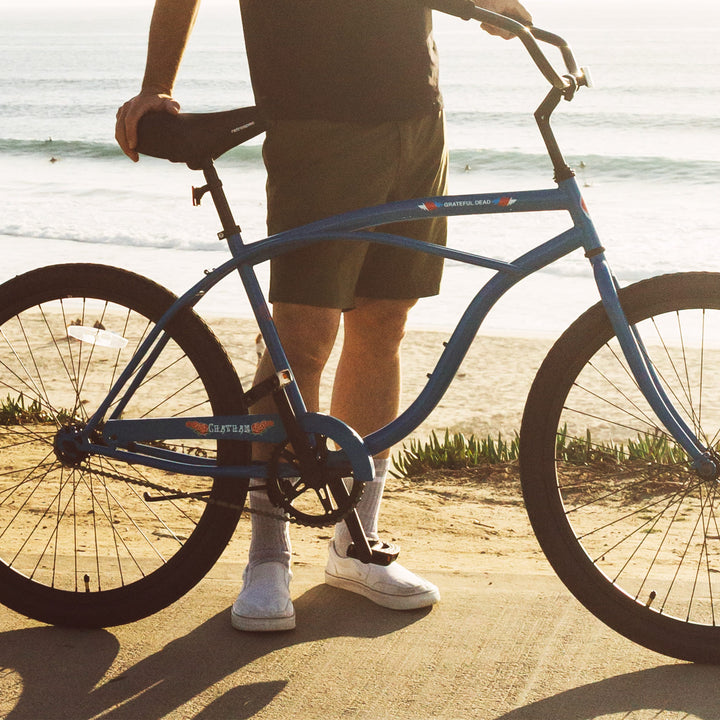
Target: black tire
point(636, 540)
point(80, 546)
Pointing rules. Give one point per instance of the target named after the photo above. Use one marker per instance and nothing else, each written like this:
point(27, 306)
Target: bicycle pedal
point(381, 553)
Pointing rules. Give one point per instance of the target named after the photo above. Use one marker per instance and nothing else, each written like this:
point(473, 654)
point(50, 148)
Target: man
point(350, 91)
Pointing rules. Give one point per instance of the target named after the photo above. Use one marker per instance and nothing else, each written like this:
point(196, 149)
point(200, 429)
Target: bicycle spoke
point(87, 515)
point(73, 523)
point(647, 524)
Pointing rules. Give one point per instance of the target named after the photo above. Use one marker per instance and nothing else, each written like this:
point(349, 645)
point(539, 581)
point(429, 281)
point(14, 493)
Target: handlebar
point(567, 84)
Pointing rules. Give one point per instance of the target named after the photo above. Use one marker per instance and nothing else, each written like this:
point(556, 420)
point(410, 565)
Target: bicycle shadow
point(689, 690)
point(60, 668)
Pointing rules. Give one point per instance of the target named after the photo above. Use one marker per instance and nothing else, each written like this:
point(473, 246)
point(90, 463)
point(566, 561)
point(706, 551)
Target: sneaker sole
point(252, 624)
point(394, 602)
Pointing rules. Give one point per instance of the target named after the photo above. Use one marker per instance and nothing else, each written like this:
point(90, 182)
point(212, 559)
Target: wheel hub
point(708, 467)
point(67, 445)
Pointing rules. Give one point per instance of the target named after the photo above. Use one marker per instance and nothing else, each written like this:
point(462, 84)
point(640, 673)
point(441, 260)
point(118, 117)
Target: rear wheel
point(629, 527)
point(80, 542)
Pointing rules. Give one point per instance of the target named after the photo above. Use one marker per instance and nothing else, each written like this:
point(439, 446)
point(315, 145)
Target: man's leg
point(366, 396)
point(366, 393)
point(308, 334)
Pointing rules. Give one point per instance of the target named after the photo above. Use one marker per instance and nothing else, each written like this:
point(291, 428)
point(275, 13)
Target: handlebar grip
point(558, 42)
point(527, 35)
point(467, 10)
point(464, 9)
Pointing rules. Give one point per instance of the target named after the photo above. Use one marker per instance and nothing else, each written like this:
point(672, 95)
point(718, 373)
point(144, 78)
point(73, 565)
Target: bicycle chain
point(184, 495)
point(208, 501)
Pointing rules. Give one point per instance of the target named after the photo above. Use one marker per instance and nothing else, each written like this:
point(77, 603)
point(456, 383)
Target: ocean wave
point(60, 148)
point(97, 150)
point(590, 168)
point(642, 122)
point(92, 237)
point(584, 118)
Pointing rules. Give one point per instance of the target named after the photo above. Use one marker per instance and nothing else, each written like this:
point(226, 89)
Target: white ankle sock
point(368, 508)
point(270, 538)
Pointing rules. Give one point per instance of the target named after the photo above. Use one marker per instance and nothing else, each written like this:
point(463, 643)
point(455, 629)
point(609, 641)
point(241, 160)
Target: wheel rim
point(86, 526)
point(640, 515)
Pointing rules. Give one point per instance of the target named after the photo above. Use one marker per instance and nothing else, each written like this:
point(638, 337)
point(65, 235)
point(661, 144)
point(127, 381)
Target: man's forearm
point(170, 28)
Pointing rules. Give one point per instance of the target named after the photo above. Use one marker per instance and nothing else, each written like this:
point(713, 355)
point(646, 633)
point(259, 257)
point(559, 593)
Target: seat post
point(215, 188)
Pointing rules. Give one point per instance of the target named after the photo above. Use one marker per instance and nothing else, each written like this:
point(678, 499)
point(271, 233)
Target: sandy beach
point(486, 397)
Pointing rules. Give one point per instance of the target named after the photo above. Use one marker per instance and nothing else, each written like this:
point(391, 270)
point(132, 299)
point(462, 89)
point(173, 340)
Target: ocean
point(645, 142)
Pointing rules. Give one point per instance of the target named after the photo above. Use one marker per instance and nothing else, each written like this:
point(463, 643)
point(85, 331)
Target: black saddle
point(196, 138)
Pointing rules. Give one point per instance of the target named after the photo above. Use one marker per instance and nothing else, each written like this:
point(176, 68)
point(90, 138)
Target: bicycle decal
point(202, 429)
point(433, 205)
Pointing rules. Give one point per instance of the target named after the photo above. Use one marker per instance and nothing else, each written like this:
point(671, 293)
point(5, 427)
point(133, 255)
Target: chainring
point(316, 498)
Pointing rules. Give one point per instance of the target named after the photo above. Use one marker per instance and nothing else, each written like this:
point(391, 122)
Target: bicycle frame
point(353, 227)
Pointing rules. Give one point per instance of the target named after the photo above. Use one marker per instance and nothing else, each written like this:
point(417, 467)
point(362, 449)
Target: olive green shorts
point(319, 168)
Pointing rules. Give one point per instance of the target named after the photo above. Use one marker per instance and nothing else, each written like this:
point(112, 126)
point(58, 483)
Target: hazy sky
point(149, 3)
point(94, 3)
point(605, 9)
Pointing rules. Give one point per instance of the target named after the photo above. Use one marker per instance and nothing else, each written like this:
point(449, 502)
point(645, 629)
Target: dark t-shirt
point(343, 60)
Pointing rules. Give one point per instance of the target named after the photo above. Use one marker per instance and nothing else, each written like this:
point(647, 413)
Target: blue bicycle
point(126, 434)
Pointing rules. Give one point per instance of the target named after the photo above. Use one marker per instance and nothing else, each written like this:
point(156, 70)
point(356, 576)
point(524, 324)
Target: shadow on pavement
point(61, 668)
point(688, 690)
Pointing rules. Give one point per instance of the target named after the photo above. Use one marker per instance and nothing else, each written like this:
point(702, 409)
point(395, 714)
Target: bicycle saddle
point(196, 138)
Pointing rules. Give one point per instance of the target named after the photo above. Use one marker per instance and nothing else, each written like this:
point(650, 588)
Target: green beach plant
point(456, 451)
point(15, 410)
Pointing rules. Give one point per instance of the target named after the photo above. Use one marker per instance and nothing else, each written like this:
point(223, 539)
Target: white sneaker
point(264, 603)
point(391, 586)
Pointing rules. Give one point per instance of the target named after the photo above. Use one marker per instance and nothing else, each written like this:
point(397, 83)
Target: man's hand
point(129, 114)
point(511, 8)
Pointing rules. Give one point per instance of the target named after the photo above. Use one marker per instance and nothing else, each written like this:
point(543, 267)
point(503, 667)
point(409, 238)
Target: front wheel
point(92, 541)
point(628, 526)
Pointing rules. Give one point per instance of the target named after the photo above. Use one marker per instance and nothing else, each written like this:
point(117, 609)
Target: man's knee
point(379, 321)
point(307, 333)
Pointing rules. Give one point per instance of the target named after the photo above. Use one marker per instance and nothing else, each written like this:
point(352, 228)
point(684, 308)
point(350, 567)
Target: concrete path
point(499, 646)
